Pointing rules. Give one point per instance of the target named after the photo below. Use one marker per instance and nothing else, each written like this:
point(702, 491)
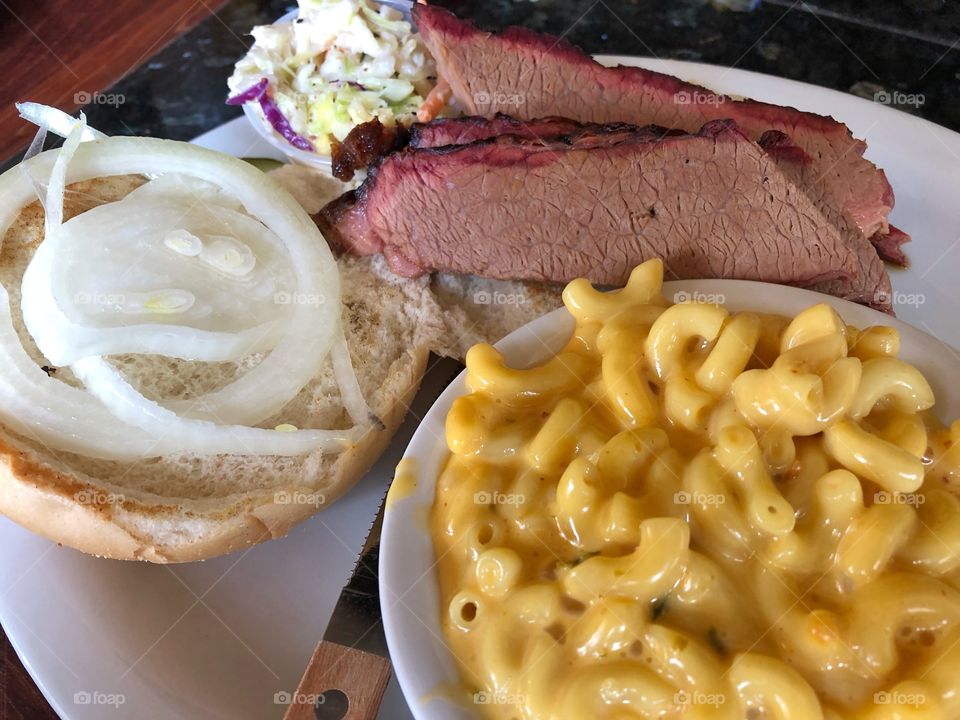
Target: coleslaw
point(339, 63)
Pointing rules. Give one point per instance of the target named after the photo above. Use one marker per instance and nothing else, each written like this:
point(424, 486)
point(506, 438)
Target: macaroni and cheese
point(693, 513)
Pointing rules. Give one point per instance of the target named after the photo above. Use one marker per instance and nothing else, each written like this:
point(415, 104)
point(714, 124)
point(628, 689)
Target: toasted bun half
point(483, 310)
point(190, 507)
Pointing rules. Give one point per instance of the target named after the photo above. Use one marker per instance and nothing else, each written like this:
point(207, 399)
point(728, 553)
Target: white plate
point(87, 625)
point(409, 596)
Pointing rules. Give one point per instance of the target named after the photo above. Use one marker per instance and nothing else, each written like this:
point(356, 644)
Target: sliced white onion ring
point(350, 393)
point(259, 393)
point(56, 121)
point(265, 389)
point(66, 418)
point(85, 266)
point(176, 185)
point(199, 436)
point(58, 415)
point(36, 145)
point(56, 185)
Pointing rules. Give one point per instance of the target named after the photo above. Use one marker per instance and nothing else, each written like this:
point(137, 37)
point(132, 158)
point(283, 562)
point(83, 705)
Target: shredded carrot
point(435, 101)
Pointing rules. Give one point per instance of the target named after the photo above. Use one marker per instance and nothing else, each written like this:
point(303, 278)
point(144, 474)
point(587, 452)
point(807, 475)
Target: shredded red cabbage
point(281, 124)
point(254, 92)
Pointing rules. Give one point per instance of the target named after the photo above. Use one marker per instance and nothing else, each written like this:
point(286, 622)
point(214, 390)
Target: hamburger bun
point(189, 507)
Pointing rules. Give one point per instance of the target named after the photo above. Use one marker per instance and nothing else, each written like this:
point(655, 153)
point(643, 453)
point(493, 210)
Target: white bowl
point(409, 593)
point(302, 157)
point(253, 113)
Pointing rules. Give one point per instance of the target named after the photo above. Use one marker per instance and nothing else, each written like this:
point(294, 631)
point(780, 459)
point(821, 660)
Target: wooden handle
point(340, 683)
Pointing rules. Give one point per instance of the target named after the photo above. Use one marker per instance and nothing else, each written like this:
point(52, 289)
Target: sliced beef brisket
point(593, 204)
point(531, 75)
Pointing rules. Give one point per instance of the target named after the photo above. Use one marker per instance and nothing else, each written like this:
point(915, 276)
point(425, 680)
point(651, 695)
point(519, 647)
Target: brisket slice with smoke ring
point(529, 75)
point(368, 142)
point(465, 130)
point(594, 205)
point(871, 286)
point(790, 157)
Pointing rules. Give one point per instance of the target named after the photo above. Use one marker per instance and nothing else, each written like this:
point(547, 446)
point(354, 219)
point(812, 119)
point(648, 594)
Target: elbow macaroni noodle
point(689, 513)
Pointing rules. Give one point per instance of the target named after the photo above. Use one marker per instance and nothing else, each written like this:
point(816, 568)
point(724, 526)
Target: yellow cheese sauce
point(688, 513)
point(404, 481)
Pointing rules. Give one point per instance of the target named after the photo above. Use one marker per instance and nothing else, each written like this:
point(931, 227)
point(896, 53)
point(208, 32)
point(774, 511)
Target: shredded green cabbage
point(340, 63)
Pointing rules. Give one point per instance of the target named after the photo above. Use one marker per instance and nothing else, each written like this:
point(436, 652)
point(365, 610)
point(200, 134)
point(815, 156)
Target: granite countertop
point(876, 50)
